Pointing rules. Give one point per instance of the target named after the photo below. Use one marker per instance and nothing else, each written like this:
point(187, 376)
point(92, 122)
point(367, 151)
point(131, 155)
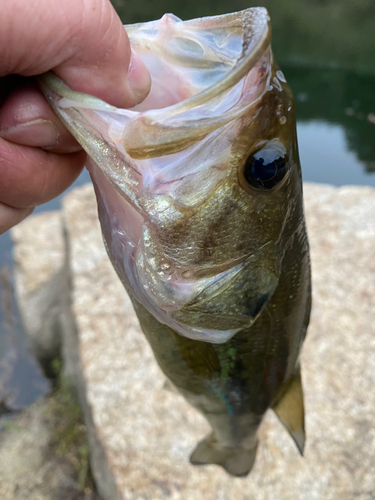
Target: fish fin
point(290, 411)
point(236, 461)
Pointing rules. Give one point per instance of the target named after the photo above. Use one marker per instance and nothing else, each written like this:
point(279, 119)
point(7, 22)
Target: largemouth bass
point(200, 202)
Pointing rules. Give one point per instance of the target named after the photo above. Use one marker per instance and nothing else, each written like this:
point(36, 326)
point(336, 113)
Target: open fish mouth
point(205, 73)
point(157, 163)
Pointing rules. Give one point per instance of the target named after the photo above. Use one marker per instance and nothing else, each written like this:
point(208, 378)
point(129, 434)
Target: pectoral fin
point(290, 410)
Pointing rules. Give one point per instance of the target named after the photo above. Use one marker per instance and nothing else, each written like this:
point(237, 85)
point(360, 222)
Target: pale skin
point(83, 42)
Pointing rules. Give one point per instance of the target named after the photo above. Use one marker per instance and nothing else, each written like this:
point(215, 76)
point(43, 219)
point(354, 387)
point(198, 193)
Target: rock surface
point(141, 435)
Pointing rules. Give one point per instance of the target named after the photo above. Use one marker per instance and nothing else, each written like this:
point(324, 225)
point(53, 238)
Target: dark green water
point(326, 51)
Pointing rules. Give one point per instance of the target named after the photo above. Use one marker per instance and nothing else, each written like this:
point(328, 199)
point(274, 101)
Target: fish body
point(200, 200)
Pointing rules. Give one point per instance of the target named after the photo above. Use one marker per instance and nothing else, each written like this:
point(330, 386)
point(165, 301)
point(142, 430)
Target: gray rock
point(141, 434)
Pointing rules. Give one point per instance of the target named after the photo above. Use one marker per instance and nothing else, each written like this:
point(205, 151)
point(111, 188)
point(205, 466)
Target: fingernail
point(138, 77)
point(37, 133)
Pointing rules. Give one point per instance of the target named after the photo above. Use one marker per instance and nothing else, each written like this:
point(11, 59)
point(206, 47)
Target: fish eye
point(267, 167)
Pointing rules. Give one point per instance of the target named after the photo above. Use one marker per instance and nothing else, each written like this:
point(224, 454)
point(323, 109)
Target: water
point(332, 76)
point(326, 157)
point(335, 111)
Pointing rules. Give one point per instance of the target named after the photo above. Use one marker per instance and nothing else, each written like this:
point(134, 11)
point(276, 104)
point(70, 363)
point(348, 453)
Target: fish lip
point(142, 137)
point(52, 82)
point(245, 61)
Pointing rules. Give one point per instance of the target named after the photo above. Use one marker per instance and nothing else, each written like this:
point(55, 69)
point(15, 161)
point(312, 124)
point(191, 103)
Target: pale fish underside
point(200, 202)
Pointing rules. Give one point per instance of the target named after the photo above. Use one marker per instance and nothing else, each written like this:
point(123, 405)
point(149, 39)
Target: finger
point(83, 41)
point(27, 119)
point(10, 216)
point(30, 176)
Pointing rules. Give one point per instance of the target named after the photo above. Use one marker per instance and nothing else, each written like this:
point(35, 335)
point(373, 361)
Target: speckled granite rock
point(141, 435)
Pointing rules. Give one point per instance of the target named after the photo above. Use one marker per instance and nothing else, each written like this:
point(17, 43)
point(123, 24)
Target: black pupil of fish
point(264, 175)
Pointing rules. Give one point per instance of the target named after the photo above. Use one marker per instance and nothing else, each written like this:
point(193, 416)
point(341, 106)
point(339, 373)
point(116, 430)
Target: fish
point(200, 202)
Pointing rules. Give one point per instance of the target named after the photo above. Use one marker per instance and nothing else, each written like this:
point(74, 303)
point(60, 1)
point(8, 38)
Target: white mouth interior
point(183, 60)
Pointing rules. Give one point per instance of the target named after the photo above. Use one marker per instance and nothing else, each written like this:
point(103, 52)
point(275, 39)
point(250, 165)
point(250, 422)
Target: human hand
point(85, 44)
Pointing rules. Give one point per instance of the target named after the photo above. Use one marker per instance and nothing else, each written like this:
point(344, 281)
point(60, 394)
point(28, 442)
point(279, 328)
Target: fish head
point(199, 186)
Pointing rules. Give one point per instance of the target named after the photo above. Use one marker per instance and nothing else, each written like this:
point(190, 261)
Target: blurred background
point(326, 51)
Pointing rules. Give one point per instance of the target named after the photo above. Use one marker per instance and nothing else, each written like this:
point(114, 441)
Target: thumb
point(82, 41)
